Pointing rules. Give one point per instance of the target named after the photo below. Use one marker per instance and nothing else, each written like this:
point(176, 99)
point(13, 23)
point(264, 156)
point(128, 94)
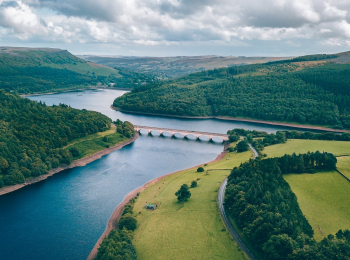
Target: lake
point(63, 216)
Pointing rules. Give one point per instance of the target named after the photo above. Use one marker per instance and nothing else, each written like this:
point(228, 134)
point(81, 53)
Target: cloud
point(169, 22)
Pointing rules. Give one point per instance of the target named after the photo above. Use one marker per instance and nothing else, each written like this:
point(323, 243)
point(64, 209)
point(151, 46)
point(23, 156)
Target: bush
point(183, 194)
point(193, 184)
point(200, 169)
point(233, 138)
point(127, 221)
point(242, 146)
point(230, 149)
point(74, 151)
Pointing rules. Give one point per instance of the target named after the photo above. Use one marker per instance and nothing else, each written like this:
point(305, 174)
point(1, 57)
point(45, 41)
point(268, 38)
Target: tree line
point(265, 208)
point(32, 135)
point(281, 137)
point(118, 244)
point(273, 92)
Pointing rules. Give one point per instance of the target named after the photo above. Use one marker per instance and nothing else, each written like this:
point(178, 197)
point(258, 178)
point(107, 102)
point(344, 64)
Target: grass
point(324, 199)
point(343, 165)
point(193, 230)
point(303, 146)
point(93, 143)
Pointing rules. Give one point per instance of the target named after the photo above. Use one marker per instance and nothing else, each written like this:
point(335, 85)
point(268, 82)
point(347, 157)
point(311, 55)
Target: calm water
point(63, 216)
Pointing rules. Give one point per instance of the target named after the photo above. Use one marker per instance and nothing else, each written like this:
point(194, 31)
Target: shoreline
point(227, 118)
point(77, 163)
point(71, 90)
point(113, 220)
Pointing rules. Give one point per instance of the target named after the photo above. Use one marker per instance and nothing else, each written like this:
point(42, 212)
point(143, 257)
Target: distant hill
point(170, 67)
point(311, 89)
point(31, 70)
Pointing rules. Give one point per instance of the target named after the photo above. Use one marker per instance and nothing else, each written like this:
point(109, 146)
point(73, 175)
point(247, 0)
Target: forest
point(34, 71)
point(32, 136)
point(308, 93)
point(118, 244)
point(265, 208)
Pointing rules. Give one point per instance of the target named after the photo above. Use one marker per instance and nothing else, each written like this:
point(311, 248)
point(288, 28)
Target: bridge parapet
point(185, 133)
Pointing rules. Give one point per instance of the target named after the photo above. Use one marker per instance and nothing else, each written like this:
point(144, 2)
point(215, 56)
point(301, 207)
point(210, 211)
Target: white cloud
point(169, 22)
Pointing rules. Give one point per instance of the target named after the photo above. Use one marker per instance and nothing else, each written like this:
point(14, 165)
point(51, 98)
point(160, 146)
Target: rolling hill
point(170, 67)
point(29, 70)
point(310, 90)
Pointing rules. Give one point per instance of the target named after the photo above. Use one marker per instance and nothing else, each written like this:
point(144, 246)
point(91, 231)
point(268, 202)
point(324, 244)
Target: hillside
point(308, 90)
point(32, 136)
point(170, 67)
point(27, 70)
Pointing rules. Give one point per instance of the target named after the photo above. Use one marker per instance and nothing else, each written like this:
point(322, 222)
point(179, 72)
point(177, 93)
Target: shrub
point(127, 221)
point(242, 146)
point(193, 184)
point(183, 194)
point(200, 169)
point(74, 151)
point(230, 149)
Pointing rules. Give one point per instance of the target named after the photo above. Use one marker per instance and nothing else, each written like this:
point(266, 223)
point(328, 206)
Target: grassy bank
point(324, 199)
point(193, 230)
point(93, 143)
point(343, 165)
point(303, 146)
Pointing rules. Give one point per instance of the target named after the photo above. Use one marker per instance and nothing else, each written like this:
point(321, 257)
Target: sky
point(178, 27)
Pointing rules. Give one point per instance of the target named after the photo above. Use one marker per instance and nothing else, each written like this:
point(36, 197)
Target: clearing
point(193, 230)
point(303, 146)
point(324, 199)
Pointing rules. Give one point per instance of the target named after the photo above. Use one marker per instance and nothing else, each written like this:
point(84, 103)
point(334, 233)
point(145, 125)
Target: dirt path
point(113, 221)
point(76, 163)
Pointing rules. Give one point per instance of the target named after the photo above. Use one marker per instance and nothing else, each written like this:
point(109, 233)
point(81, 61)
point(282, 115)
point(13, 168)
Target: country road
point(227, 221)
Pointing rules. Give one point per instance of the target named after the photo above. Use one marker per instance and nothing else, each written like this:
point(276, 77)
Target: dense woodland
point(265, 208)
point(118, 244)
point(32, 136)
point(318, 95)
point(44, 71)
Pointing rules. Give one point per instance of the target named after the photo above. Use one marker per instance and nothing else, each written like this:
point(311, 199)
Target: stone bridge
point(185, 133)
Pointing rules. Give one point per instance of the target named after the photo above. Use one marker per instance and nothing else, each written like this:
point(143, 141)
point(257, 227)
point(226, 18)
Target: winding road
point(227, 221)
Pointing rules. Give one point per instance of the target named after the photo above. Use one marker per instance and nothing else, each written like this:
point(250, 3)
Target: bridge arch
point(203, 136)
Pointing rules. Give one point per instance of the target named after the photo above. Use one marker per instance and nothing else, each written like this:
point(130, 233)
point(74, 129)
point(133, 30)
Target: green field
point(303, 146)
point(343, 165)
point(324, 200)
point(93, 143)
point(190, 231)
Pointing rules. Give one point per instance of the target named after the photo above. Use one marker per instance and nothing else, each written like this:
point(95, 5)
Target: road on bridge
point(227, 221)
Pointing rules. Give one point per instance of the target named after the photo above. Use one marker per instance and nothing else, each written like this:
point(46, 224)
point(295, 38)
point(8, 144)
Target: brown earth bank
point(113, 221)
point(76, 163)
point(227, 118)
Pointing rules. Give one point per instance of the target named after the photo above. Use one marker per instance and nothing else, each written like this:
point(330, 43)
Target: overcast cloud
point(175, 27)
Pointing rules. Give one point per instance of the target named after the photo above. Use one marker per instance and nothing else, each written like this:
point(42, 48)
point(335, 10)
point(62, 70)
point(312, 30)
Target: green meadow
point(324, 199)
point(303, 146)
point(324, 196)
point(343, 165)
point(93, 143)
point(193, 230)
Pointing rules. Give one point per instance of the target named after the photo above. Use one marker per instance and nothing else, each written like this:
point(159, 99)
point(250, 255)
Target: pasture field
point(91, 144)
point(343, 165)
point(193, 230)
point(324, 199)
point(303, 146)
